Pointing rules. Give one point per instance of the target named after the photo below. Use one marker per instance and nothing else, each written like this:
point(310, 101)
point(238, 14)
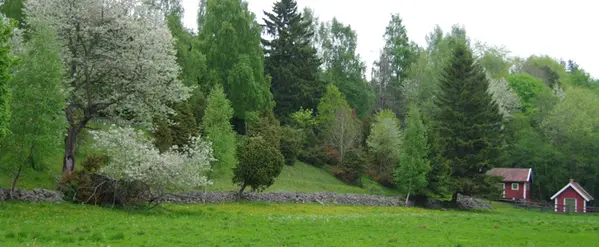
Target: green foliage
point(37, 124)
point(291, 60)
point(530, 148)
point(332, 100)
point(469, 123)
point(267, 126)
point(291, 143)
point(343, 67)
point(544, 68)
point(218, 130)
point(338, 125)
point(260, 163)
point(7, 61)
point(310, 145)
point(573, 126)
point(384, 144)
point(230, 40)
point(391, 71)
point(527, 87)
point(414, 165)
point(13, 9)
point(354, 168)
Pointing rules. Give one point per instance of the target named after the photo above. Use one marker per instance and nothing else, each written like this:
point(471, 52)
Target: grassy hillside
point(26, 224)
point(306, 178)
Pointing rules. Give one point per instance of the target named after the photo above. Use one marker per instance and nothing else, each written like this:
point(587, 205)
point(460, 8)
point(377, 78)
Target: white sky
point(561, 29)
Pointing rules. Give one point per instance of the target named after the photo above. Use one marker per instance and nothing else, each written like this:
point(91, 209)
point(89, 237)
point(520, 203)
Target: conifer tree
point(469, 124)
point(291, 60)
point(217, 127)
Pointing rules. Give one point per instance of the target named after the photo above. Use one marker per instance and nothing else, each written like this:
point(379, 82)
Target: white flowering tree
point(120, 60)
point(133, 158)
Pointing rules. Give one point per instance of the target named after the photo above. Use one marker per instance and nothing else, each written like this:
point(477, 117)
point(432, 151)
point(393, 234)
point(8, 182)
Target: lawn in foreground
point(239, 224)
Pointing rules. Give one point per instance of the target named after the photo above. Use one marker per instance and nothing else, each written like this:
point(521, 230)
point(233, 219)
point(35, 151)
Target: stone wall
point(324, 198)
point(36, 195)
point(288, 197)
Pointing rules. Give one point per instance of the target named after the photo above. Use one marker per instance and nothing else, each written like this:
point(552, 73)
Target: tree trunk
point(454, 199)
point(14, 182)
point(241, 191)
point(68, 164)
point(407, 199)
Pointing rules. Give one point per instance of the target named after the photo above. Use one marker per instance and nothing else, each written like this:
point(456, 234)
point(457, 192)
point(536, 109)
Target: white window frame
point(517, 186)
point(503, 194)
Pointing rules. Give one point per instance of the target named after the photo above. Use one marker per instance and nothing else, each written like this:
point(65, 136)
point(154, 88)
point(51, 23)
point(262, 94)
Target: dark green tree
point(469, 124)
point(260, 163)
point(291, 60)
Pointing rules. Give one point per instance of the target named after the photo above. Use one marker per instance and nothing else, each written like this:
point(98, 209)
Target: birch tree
point(120, 60)
point(36, 125)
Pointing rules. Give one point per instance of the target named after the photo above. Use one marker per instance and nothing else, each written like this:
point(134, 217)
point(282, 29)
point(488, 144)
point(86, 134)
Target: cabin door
point(570, 205)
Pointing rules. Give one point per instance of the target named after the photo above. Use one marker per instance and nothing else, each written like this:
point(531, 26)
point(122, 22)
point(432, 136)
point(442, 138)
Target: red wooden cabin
point(516, 182)
point(571, 199)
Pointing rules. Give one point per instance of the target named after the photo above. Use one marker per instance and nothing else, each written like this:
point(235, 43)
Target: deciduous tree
point(120, 57)
point(411, 173)
point(230, 40)
point(37, 125)
point(384, 145)
point(7, 60)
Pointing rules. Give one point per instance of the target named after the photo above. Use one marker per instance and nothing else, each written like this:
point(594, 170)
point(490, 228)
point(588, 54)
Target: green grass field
point(240, 224)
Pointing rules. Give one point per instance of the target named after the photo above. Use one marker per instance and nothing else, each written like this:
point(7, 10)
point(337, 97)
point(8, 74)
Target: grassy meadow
point(261, 224)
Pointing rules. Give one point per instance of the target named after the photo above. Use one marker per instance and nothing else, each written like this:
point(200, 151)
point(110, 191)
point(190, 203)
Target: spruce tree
point(291, 60)
point(469, 124)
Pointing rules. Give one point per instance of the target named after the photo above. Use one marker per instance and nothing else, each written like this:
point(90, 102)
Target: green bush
point(291, 139)
point(260, 162)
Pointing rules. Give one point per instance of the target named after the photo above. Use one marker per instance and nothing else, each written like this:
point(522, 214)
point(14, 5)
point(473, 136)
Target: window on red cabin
point(515, 186)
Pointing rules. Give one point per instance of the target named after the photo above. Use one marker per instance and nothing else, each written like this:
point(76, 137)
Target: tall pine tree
point(291, 60)
point(469, 124)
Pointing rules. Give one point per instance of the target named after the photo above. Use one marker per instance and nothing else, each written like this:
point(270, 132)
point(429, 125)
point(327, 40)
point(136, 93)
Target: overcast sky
point(561, 29)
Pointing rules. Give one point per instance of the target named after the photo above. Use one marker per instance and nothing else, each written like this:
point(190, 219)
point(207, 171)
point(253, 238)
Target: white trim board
point(529, 174)
point(574, 188)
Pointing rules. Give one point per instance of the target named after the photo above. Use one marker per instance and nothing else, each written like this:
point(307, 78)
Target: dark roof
point(576, 188)
point(512, 174)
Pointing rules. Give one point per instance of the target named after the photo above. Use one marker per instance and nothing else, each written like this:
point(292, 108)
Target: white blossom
point(134, 158)
point(507, 100)
point(119, 53)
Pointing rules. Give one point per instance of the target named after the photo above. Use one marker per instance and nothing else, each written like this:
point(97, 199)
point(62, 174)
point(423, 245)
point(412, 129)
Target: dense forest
point(173, 108)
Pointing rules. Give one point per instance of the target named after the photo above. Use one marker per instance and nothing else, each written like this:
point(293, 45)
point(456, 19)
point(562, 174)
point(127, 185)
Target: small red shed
point(516, 182)
point(571, 199)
